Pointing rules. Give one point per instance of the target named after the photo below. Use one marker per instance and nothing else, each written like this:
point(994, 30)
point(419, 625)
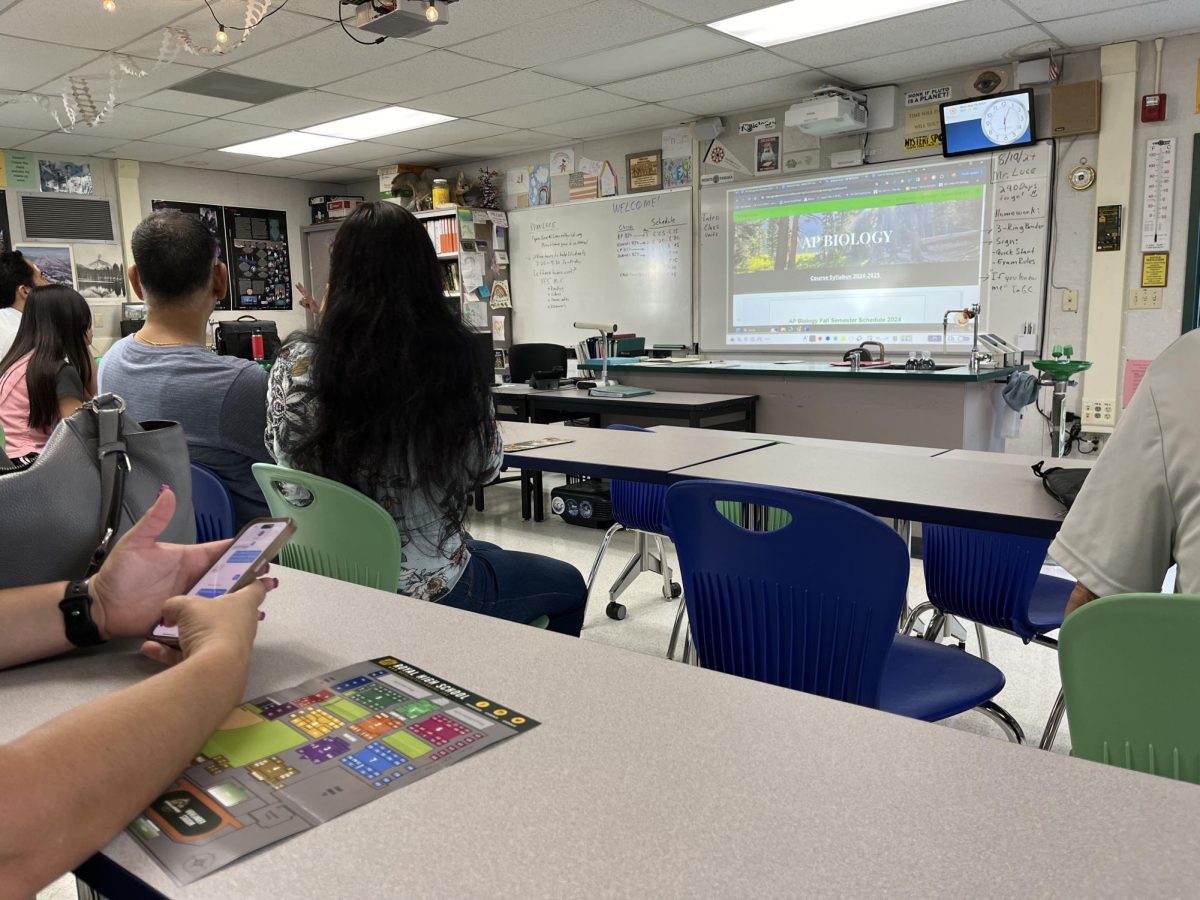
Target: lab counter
point(951, 407)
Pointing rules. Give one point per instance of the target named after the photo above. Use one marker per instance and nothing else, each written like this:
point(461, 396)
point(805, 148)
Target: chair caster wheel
point(616, 611)
point(676, 591)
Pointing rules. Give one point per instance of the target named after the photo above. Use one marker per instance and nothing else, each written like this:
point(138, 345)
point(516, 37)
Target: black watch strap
point(78, 623)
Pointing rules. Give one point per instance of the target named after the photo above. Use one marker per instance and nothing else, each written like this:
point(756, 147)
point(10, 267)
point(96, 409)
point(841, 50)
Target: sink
point(894, 366)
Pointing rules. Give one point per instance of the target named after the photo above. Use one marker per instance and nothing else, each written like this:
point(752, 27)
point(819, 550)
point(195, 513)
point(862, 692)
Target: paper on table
point(1135, 371)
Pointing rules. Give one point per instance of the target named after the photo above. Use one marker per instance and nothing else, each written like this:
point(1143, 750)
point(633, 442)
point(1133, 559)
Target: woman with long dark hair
point(48, 372)
point(386, 395)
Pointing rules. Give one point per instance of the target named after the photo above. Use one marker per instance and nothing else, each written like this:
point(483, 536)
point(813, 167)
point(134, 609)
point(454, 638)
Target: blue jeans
point(520, 587)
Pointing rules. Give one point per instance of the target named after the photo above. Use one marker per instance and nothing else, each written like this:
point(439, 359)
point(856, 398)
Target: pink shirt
point(19, 438)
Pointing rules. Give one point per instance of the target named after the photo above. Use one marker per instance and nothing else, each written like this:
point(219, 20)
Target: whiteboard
point(625, 259)
point(1015, 232)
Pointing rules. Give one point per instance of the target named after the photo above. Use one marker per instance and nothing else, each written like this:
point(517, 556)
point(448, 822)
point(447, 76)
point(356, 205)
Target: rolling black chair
point(526, 359)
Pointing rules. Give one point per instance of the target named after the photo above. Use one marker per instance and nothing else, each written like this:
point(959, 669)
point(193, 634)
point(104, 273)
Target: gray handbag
point(99, 472)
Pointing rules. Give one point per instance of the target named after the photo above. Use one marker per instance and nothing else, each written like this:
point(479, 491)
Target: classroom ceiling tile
point(475, 19)
point(341, 175)
point(25, 113)
point(88, 25)
point(28, 64)
point(70, 144)
point(668, 51)
point(641, 117)
point(303, 109)
point(972, 51)
point(513, 142)
point(182, 101)
point(751, 96)
point(1043, 10)
point(217, 160)
point(325, 56)
point(945, 23)
point(708, 10)
point(132, 123)
point(281, 168)
point(744, 68)
point(325, 9)
point(573, 32)
point(1125, 24)
point(356, 154)
point(418, 77)
point(432, 158)
point(13, 137)
point(146, 151)
point(282, 28)
point(508, 90)
point(215, 133)
point(433, 137)
point(582, 103)
point(129, 87)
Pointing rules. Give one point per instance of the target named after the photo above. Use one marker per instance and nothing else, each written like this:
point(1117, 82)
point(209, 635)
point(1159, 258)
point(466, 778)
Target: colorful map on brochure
point(289, 761)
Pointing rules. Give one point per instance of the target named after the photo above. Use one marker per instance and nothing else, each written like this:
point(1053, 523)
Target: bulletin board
point(260, 265)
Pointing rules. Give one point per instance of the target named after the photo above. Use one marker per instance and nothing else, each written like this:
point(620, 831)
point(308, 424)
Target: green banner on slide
point(875, 201)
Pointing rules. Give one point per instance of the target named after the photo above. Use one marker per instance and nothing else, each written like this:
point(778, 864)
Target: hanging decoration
point(487, 184)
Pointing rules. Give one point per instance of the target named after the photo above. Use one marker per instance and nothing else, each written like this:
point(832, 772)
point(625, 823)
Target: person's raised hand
point(221, 625)
point(308, 301)
point(140, 574)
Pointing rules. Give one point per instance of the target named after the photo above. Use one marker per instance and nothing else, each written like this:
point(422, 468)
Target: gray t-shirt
point(221, 402)
point(1139, 510)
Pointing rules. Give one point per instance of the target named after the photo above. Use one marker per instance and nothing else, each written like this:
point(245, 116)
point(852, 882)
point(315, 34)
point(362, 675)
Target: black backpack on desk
point(234, 338)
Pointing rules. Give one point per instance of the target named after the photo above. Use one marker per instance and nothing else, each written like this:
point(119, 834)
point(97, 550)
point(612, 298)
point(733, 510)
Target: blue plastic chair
point(813, 605)
point(641, 507)
point(213, 505)
point(993, 580)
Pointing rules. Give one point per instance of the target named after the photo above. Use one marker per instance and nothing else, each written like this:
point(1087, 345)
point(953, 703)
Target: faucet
point(970, 314)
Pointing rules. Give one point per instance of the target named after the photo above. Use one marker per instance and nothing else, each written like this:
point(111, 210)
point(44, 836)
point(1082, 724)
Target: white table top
point(609, 453)
point(977, 494)
point(672, 398)
point(828, 443)
point(1020, 459)
point(647, 778)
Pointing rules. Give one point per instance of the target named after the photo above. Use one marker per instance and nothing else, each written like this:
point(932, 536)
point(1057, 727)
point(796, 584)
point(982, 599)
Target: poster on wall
point(5, 235)
point(54, 260)
point(62, 177)
point(259, 263)
point(100, 271)
point(213, 218)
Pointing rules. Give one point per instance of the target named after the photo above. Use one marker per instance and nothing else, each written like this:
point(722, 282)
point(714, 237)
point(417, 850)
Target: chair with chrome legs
point(1129, 669)
point(995, 581)
point(641, 508)
point(791, 606)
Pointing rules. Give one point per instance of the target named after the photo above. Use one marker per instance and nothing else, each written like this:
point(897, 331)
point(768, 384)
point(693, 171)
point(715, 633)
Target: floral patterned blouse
point(434, 560)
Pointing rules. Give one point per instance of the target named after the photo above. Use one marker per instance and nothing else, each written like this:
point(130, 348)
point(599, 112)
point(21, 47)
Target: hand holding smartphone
point(241, 563)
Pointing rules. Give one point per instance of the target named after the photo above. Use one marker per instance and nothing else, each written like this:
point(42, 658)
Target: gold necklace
point(137, 336)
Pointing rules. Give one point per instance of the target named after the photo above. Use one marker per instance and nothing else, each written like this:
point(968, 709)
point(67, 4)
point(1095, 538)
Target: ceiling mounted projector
point(832, 110)
point(408, 18)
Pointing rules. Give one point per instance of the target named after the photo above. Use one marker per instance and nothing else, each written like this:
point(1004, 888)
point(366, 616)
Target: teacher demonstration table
point(698, 410)
point(648, 776)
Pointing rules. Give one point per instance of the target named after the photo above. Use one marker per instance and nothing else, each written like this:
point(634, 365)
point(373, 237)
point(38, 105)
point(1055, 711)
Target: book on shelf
point(443, 233)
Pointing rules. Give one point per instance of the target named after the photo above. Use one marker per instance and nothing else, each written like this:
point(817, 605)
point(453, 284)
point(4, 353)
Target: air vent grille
point(63, 218)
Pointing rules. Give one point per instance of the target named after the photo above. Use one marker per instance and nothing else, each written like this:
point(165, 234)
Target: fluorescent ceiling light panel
point(289, 143)
point(389, 120)
point(799, 19)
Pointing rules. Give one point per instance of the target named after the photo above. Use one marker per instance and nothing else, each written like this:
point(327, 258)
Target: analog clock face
point(1005, 121)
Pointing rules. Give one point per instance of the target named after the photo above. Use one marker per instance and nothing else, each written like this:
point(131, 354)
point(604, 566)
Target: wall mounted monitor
point(982, 124)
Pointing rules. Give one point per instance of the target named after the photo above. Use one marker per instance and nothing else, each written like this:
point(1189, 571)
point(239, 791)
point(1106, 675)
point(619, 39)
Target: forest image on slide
point(850, 239)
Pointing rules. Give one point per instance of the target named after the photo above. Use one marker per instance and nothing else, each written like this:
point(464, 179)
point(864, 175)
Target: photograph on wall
point(5, 234)
point(260, 266)
point(65, 177)
point(100, 271)
point(55, 261)
point(213, 218)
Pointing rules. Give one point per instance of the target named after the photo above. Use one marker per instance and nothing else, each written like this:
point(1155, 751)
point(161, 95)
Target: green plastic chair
point(1129, 674)
point(340, 532)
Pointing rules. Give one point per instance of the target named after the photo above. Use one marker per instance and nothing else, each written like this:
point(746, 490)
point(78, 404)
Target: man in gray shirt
point(165, 371)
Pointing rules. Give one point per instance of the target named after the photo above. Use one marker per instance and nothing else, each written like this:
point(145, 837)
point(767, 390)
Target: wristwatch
point(76, 606)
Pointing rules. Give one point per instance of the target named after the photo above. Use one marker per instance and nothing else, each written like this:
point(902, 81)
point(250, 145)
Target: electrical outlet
point(1145, 298)
point(1070, 300)
point(1099, 413)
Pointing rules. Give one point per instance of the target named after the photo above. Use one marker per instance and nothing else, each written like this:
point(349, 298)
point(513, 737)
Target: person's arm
point(123, 749)
point(314, 306)
point(244, 414)
point(69, 390)
point(1079, 596)
point(127, 593)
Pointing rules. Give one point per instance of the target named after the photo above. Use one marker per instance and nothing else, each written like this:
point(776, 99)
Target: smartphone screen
point(254, 546)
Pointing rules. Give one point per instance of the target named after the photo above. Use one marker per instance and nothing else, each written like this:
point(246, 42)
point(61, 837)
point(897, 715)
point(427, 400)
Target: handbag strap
point(114, 465)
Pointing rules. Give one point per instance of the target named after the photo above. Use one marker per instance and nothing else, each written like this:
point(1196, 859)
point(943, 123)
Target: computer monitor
point(981, 124)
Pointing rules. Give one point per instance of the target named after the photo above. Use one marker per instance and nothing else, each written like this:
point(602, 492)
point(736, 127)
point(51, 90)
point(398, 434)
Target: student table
point(651, 778)
point(831, 444)
point(696, 409)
